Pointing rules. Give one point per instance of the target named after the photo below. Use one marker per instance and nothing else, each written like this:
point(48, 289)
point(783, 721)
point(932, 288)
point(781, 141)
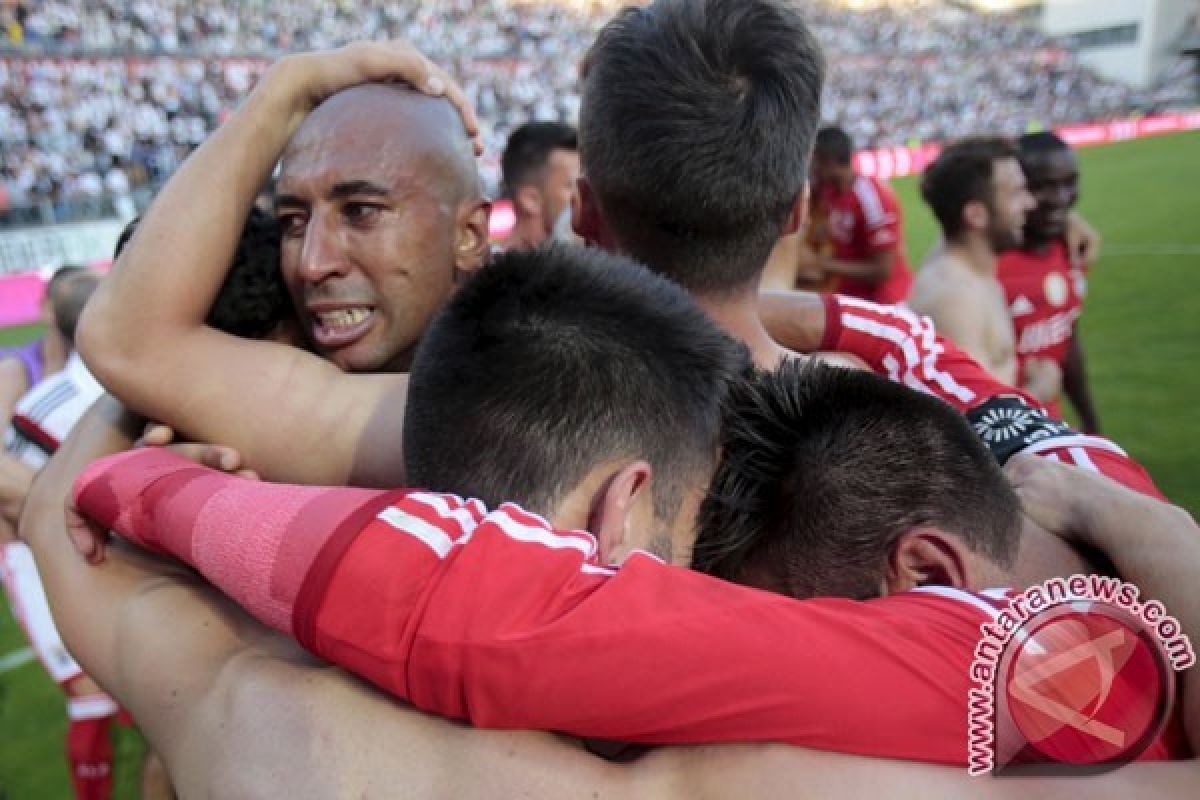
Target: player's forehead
point(372, 135)
point(1007, 174)
point(1054, 165)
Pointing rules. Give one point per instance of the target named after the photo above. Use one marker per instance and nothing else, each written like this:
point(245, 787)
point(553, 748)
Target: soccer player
point(381, 215)
point(1042, 284)
point(859, 216)
point(512, 647)
point(23, 367)
point(234, 711)
point(540, 166)
point(977, 192)
point(802, 179)
point(41, 419)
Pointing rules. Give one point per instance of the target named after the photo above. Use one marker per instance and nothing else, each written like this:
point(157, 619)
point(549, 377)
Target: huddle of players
point(580, 386)
point(1006, 284)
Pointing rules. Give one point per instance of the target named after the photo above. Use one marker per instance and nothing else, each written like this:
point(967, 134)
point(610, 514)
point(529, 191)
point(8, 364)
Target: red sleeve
point(905, 347)
point(880, 214)
point(515, 627)
point(255, 541)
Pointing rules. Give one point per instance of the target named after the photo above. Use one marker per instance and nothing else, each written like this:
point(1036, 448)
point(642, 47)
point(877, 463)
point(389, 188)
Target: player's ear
point(798, 214)
point(976, 215)
point(528, 200)
point(927, 557)
point(616, 516)
point(587, 220)
point(471, 241)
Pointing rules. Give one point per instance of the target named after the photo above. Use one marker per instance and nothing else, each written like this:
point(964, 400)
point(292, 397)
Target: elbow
point(109, 347)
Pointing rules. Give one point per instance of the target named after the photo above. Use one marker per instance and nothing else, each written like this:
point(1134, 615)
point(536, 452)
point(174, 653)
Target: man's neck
point(1038, 245)
point(737, 315)
point(54, 352)
point(527, 232)
point(975, 252)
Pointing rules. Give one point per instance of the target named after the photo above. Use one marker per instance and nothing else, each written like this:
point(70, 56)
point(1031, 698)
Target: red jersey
point(862, 221)
point(1045, 298)
point(905, 347)
point(498, 619)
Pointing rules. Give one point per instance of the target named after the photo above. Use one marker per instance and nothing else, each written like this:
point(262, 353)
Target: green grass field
point(1141, 330)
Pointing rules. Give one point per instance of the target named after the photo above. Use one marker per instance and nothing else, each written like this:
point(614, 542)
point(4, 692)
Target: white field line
point(1149, 249)
point(17, 658)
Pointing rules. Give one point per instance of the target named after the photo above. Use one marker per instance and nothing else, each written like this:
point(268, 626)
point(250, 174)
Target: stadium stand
point(102, 100)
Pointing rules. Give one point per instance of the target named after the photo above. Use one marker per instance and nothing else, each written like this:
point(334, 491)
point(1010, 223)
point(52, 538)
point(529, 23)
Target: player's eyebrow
point(340, 191)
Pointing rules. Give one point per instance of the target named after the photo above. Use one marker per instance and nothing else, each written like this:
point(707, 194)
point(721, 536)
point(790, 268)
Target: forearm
point(217, 524)
point(15, 479)
point(1155, 546)
point(794, 319)
point(1043, 381)
point(871, 270)
point(1076, 387)
point(13, 383)
point(79, 595)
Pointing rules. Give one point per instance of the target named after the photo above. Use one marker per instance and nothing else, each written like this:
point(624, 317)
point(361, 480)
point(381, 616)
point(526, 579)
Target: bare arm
point(14, 382)
point(1083, 241)
point(794, 319)
point(959, 316)
point(1154, 545)
point(875, 269)
point(15, 478)
point(1076, 386)
point(1043, 379)
point(143, 334)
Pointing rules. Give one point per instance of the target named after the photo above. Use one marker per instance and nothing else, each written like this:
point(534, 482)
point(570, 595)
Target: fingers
point(87, 538)
point(156, 435)
point(370, 62)
point(213, 456)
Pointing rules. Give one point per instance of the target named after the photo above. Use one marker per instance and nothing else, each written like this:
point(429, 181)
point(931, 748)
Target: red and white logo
point(1083, 685)
point(1074, 676)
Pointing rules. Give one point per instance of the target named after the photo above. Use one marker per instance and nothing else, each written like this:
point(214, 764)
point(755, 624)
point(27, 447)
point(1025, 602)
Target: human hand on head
point(313, 77)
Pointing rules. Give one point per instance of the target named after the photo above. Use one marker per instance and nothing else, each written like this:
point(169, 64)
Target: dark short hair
point(549, 362)
point(253, 299)
point(834, 144)
point(1040, 143)
point(961, 174)
point(529, 148)
point(823, 469)
point(69, 290)
point(696, 127)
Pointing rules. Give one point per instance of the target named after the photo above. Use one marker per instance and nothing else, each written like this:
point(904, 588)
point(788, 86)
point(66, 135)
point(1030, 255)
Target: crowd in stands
point(106, 98)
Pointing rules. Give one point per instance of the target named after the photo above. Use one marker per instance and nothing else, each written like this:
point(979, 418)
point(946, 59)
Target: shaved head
point(393, 122)
point(381, 212)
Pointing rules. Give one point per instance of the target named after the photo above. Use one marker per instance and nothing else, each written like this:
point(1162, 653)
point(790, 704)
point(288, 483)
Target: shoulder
point(875, 199)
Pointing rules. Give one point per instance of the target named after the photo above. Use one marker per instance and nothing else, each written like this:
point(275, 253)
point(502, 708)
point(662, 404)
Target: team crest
point(1056, 289)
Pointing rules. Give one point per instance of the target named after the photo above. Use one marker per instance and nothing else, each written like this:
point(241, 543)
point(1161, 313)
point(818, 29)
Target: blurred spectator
point(126, 88)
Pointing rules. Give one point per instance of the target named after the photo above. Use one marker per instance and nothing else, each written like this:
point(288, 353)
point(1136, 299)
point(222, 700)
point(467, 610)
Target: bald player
point(381, 215)
point(977, 192)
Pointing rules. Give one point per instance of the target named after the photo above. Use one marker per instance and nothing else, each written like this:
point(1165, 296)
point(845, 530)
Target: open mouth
point(340, 327)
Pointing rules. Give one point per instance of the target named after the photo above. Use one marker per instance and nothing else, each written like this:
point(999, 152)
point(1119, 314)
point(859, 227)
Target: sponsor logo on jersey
point(1021, 306)
point(1047, 333)
point(1056, 290)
